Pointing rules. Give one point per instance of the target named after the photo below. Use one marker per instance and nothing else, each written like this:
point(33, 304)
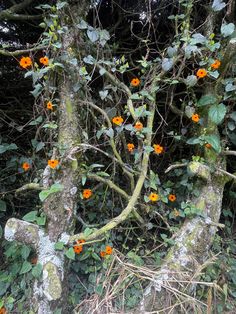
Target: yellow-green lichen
point(53, 288)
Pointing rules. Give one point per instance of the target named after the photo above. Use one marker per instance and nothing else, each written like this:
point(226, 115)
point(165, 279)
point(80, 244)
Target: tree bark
point(51, 291)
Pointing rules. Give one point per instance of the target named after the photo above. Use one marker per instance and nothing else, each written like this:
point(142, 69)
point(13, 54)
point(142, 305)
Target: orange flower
point(130, 147)
point(135, 82)
point(87, 193)
point(49, 105)
point(158, 148)
point(3, 310)
point(118, 120)
point(77, 249)
point(44, 60)
point(26, 166)
point(103, 254)
point(108, 250)
point(52, 163)
point(25, 62)
point(201, 73)
point(216, 64)
point(195, 118)
point(138, 126)
point(172, 197)
point(34, 260)
point(208, 145)
point(153, 197)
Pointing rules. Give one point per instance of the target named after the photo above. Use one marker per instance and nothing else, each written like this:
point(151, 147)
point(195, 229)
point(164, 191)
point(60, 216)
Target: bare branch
point(229, 152)
point(20, 52)
point(29, 186)
point(10, 14)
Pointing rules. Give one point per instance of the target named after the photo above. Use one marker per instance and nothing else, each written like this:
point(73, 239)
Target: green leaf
point(93, 34)
point(37, 90)
point(167, 64)
point(26, 267)
point(70, 253)
point(88, 231)
point(99, 288)
point(57, 187)
point(50, 126)
point(41, 221)
point(214, 140)
point(135, 96)
point(218, 5)
point(37, 270)
point(3, 206)
point(6, 147)
point(193, 141)
point(217, 113)
point(25, 252)
point(59, 246)
point(85, 256)
point(102, 174)
point(89, 59)
point(82, 25)
point(95, 256)
point(207, 100)
point(191, 80)
point(102, 71)
point(109, 132)
point(103, 94)
point(36, 121)
point(31, 216)
point(233, 116)
point(227, 29)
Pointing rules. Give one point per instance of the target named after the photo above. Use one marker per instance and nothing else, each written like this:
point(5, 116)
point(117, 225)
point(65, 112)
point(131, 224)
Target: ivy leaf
point(218, 5)
point(70, 253)
point(193, 141)
point(167, 64)
point(227, 29)
point(93, 35)
point(214, 140)
point(103, 94)
point(206, 100)
point(59, 246)
point(217, 113)
point(25, 252)
point(82, 25)
point(26, 267)
point(89, 59)
point(53, 189)
point(172, 51)
point(3, 206)
point(191, 80)
point(37, 270)
point(198, 39)
point(31, 216)
point(102, 71)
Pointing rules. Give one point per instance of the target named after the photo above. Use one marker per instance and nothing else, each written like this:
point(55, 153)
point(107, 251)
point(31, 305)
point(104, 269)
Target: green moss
point(69, 108)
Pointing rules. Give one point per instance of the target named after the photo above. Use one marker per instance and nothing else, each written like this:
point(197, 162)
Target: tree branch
point(23, 232)
point(10, 14)
point(111, 184)
point(133, 199)
point(20, 52)
point(29, 186)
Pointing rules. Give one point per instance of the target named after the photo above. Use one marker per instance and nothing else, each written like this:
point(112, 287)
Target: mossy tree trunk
point(51, 291)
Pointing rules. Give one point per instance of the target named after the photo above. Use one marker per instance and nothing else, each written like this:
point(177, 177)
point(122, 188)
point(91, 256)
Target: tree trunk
point(51, 292)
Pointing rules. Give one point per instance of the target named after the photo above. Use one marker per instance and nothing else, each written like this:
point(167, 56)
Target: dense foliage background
point(129, 39)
